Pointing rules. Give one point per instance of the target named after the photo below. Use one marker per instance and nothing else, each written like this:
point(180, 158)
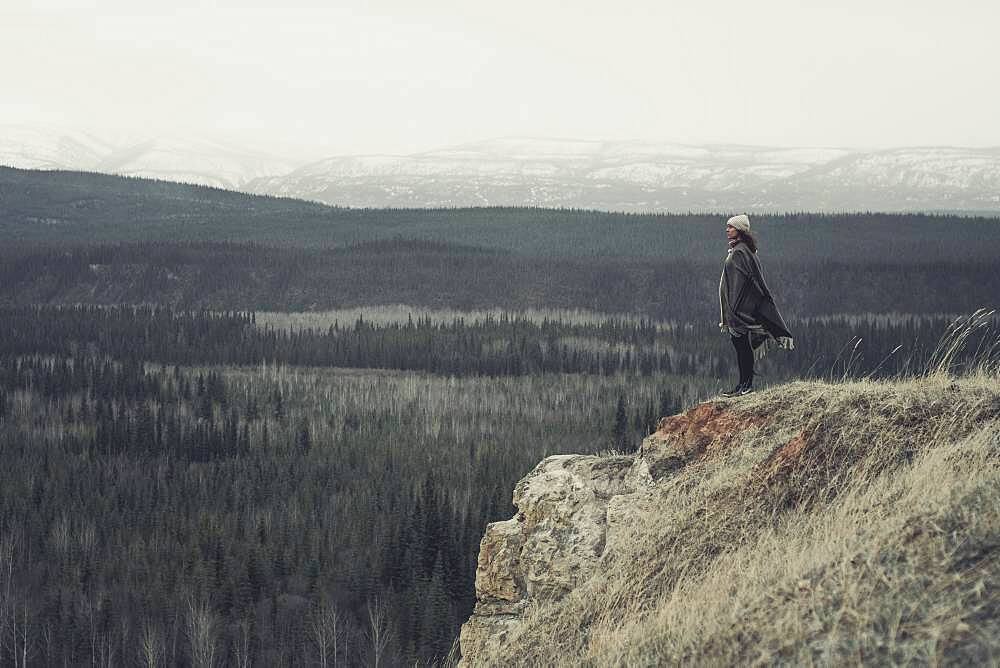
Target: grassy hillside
point(74, 207)
point(843, 523)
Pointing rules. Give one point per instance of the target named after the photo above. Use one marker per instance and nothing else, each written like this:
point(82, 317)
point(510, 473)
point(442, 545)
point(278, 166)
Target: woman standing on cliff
point(749, 315)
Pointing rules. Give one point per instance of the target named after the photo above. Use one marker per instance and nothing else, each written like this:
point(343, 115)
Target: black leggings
point(744, 356)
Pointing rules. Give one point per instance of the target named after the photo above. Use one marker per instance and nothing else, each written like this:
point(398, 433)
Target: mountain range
point(603, 175)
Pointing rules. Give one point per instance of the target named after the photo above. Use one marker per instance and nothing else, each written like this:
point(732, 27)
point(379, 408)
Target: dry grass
point(859, 525)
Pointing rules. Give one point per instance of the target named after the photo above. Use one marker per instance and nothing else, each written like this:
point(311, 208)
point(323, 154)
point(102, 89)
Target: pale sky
point(398, 76)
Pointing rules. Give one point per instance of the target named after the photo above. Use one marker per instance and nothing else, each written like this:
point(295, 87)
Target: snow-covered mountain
point(935, 178)
point(610, 175)
point(171, 157)
point(644, 176)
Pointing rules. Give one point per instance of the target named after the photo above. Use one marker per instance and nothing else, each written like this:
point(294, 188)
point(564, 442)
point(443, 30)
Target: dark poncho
point(746, 304)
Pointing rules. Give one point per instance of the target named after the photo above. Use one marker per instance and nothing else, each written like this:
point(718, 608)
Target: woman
point(749, 315)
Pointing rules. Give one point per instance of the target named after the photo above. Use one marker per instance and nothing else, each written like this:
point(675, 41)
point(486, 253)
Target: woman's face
point(731, 232)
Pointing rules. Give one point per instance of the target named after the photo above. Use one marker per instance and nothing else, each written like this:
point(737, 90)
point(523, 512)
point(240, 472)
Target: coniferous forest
point(191, 479)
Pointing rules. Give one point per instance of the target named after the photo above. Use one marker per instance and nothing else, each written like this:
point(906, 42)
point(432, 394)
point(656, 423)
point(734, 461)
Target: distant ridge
point(643, 176)
point(601, 175)
point(176, 157)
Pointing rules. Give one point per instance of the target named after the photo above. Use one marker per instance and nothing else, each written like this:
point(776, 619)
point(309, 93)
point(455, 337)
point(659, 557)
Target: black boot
point(744, 358)
point(736, 391)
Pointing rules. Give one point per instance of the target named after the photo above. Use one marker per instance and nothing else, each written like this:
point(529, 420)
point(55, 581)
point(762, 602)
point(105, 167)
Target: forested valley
point(214, 454)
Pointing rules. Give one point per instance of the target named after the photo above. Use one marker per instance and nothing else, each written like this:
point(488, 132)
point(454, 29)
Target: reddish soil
point(708, 427)
point(784, 458)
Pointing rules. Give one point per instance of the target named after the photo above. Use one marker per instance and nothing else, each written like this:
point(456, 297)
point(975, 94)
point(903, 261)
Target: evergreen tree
point(620, 431)
point(303, 440)
point(279, 406)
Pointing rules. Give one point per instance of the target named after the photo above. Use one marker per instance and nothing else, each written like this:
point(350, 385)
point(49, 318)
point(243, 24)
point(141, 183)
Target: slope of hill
point(67, 207)
point(809, 523)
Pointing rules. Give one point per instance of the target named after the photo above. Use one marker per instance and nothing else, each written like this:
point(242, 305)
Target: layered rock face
point(552, 543)
point(571, 510)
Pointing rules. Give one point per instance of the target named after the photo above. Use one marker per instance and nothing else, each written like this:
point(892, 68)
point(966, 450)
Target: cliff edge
point(809, 523)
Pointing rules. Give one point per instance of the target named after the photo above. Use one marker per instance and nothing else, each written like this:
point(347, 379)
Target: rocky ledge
point(574, 508)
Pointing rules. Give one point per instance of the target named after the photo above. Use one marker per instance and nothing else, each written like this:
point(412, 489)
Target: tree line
point(505, 345)
point(228, 276)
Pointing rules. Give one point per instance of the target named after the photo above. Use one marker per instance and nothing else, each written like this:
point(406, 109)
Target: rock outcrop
point(738, 519)
point(553, 542)
point(573, 508)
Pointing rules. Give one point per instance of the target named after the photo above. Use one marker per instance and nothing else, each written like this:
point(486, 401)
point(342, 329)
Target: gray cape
point(746, 304)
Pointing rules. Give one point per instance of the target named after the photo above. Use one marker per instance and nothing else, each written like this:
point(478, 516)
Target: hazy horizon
point(303, 153)
point(393, 78)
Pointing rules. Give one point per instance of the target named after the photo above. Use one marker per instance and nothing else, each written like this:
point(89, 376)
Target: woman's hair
point(749, 239)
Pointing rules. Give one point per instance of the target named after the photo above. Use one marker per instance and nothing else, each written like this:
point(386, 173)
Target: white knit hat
point(740, 222)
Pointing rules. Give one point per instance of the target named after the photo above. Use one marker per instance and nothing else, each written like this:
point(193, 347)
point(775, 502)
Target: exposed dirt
point(708, 427)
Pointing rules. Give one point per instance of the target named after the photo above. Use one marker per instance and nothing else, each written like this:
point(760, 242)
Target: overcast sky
point(365, 76)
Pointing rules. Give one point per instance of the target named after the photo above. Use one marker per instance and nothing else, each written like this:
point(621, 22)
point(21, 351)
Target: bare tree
point(202, 630)
point(106, 651)
point(124, 633)
point(324, 623)
point(378, 629)
point(8, 607)
point(454, 654)
point(88, 611)
point(174, 632)
point(241, 644)
point(25, 638)
point(48, 636)
point(151, 646)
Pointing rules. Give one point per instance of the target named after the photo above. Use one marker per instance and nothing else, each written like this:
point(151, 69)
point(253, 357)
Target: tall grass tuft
point(985, 359)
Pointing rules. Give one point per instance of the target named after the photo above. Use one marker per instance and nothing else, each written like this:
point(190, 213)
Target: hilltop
point(811, 522)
